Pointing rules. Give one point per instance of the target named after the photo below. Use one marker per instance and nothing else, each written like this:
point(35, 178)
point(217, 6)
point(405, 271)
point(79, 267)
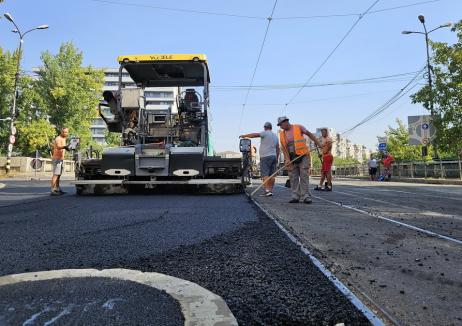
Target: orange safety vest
point(301, 148)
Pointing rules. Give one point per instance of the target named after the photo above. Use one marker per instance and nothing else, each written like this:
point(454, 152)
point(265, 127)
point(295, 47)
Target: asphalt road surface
point(397, 246)
point(223, 243)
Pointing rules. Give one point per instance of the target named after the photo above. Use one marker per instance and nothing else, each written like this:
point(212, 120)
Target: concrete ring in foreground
point(198, 305)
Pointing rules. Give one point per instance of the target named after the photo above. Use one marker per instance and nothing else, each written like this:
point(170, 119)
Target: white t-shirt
point(269, 143)
point(372, 163)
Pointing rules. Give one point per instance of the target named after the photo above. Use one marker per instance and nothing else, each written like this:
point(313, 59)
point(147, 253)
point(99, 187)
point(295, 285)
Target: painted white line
point(2, 185)
point(408, 192)
point(198, 305)
point(412, 227)
point(426, 212)
point(373, 318)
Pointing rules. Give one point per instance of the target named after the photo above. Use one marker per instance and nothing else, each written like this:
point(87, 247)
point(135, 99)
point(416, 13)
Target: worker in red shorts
point(327, 160)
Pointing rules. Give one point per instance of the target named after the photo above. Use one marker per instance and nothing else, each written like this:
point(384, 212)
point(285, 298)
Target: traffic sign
point(425, 126)
point(13, 130)
point(10, 147)
point(383, 147)
point(36, 164)
point(12, 139)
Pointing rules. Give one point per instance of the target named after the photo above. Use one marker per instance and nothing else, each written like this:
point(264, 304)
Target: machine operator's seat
point(190, 100)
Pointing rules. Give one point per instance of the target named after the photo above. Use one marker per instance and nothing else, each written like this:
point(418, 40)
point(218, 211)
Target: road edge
point(368, 313)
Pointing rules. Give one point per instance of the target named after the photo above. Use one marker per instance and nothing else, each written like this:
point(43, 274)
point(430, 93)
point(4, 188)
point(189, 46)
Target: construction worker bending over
point(269, 156)
point(327, 159)
point(296, 158)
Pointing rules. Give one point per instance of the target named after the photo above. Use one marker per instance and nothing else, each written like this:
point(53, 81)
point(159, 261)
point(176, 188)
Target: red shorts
point(327, 161)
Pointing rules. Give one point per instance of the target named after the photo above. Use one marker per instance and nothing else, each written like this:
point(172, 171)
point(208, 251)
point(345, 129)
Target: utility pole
point(12, 137)
point(429, 68)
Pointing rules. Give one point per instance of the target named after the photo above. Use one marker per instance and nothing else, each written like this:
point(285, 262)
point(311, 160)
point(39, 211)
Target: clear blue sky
point(294, 49)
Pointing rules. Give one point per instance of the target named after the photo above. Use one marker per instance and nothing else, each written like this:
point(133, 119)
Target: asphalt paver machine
point(166, 147)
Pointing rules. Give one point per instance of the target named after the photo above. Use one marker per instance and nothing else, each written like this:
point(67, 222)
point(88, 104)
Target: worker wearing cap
point(296, 158)
point(269, 156)
point(327, 160)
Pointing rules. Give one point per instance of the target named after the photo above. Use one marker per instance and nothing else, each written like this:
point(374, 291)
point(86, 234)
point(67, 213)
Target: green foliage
point(70, 93)
point(398, 144)
point(34, 134)
point(446, 93)
point(66, 94)
point(112, 139)
point(7, 72)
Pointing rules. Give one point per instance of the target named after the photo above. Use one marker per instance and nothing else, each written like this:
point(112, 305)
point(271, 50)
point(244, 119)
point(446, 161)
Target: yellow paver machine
point(161, 146)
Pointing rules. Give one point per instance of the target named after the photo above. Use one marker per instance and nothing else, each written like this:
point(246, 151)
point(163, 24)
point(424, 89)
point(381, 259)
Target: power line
point(402, 92)
point(256, 64)
point(369, 80)
point(212, 13)
point(403, 6)
point(190, 11)
point(353, 14)
point(315, 100)
point(331, 53)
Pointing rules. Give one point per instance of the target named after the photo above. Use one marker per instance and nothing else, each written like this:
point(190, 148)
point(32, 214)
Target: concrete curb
point(198, 305)
point(371, 316)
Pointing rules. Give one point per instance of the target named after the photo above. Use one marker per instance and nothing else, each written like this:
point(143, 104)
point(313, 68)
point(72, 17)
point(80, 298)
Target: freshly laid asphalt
point(87, 301)
point(223, 243)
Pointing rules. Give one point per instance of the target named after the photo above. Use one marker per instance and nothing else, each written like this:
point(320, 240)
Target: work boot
point(307, 201)
point(293, 201)
point(62, 192)
point(55, 192)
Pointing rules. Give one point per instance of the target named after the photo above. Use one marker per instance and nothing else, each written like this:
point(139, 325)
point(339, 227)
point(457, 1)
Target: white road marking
point(66, 311)
point(111, 303)
point(412, 227)
point(410, 193)
point(31, 320)
point(426, 212)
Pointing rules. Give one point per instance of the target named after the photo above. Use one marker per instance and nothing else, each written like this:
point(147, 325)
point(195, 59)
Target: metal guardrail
point(413, 170)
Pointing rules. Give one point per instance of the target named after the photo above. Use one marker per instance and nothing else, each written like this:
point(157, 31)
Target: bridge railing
point(415, 170)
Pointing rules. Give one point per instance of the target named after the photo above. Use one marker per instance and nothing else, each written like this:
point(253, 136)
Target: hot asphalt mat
point(263, 277)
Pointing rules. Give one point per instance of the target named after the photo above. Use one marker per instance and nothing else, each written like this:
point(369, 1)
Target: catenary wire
point(256, 64)
point(402, 92)
point(310, 78)
point(190, 11)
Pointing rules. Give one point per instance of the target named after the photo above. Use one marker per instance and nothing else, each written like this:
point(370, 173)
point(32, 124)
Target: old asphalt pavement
point(224, 244)
point(395, 245)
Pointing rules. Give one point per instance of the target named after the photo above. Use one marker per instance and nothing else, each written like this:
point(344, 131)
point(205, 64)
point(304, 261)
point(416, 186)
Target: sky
point(295, 47)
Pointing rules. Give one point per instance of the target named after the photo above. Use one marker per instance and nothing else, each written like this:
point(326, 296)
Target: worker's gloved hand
point(66, 147)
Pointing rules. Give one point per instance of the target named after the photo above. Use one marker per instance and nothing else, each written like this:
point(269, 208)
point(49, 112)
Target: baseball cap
point(268, 125)
point(282, 119)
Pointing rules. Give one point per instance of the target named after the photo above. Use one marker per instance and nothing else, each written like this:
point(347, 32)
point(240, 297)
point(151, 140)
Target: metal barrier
point(413, 170)
point(25, 166)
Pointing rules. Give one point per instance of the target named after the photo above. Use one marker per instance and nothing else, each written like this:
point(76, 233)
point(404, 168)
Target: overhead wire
point(331, 53)
point(270, 18)
point(398, 95)
point(377, 79)
point(190, 11)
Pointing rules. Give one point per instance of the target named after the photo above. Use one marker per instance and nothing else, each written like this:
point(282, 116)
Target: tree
point(7, 72)
point(398, 144)
point(446, 93)
point(68, 92)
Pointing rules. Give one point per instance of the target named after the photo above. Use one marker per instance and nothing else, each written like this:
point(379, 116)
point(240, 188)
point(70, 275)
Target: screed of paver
point(411, 277)
point(87, 293)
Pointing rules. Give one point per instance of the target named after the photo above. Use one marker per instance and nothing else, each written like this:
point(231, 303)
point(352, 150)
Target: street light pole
point(429, 67)
point(11, 139)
